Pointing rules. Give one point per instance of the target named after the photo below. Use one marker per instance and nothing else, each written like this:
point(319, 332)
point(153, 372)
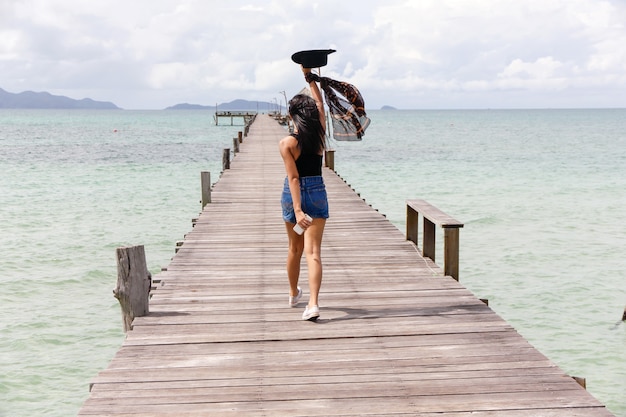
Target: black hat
point(313, 58)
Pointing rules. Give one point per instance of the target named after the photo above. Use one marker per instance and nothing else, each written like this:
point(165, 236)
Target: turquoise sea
point(542, 194)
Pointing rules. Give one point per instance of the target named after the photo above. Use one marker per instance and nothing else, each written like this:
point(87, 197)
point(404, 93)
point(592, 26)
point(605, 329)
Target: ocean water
point(541, 193)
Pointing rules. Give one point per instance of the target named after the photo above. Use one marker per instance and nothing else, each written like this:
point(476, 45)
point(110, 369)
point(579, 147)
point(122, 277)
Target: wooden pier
point(396, 337)
point(245, 116)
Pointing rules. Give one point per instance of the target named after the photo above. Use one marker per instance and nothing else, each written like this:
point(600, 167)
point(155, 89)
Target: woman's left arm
point(288, 145)
point(317, 96)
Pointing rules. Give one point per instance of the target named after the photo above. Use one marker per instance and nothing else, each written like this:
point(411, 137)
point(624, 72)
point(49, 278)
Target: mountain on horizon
point(44, 100)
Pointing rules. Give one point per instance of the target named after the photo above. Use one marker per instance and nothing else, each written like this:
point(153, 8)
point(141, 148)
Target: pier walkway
point(395, 336)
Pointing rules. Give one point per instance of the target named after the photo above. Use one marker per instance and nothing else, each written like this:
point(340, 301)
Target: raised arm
point(317, 95)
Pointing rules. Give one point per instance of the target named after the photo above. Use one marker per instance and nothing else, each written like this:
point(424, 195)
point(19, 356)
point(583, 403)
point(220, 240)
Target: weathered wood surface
point(246, 116)
point(133, 284)
point(432, 217)
point(395, 336)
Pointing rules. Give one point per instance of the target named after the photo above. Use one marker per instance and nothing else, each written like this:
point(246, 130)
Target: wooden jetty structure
point(245, 116)
point(396, 336)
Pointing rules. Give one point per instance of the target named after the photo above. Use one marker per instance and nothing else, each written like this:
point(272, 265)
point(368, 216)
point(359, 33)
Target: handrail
point(433, 216)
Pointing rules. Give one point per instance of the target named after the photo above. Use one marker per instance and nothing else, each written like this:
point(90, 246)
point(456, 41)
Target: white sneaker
point(311, 313)
point(293, 300)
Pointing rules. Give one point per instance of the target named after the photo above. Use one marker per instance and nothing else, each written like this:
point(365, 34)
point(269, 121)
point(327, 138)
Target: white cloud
point(411, 54)
point(543, 67)
point(9, 45)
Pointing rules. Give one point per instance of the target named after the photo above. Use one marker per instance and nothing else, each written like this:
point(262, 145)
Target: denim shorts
point(312, 196)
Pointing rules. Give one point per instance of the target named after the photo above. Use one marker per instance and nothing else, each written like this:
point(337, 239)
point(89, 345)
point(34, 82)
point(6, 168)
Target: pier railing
point(246, 116)
point(432, 217)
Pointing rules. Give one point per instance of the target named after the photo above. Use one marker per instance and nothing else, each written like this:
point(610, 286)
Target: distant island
point(242, 105)
point(187, 106)
point(43, 100)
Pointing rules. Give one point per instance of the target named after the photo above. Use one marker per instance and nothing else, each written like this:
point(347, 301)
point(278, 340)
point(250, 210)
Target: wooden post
point(330, 158)
point(240, 136)
point(428, 242)
point(133, 284)
point(412, 219)
point(581, 381)
point(226, 159)
point(235, 145)
point(205, 183)
point(451, 252)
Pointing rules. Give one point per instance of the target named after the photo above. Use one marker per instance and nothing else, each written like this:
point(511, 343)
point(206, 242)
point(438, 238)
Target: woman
point(304, 193)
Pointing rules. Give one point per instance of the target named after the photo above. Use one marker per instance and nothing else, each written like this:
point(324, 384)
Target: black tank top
point(308, 164)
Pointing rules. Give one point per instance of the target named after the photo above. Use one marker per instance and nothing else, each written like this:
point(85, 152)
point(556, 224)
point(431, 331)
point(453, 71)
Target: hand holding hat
point(313, 58)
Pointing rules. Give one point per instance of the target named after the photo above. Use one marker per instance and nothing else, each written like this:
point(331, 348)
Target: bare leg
point(296, 247)
point(313, 251)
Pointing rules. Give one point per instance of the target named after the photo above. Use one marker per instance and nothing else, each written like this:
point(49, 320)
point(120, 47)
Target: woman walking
point(304, 201)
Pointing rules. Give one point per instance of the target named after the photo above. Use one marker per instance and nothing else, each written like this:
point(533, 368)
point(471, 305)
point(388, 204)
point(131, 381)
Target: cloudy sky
point(411, 54)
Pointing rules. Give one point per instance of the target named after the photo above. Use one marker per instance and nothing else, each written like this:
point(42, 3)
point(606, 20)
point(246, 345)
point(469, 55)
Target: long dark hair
point(306, 117)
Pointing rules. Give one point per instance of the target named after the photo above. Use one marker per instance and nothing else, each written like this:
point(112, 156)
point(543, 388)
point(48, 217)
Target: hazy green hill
point(43, 100)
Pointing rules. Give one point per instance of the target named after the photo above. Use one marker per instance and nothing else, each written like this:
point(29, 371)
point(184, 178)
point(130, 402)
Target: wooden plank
point(383, 406)
point(434, 214)
point(396, 336)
